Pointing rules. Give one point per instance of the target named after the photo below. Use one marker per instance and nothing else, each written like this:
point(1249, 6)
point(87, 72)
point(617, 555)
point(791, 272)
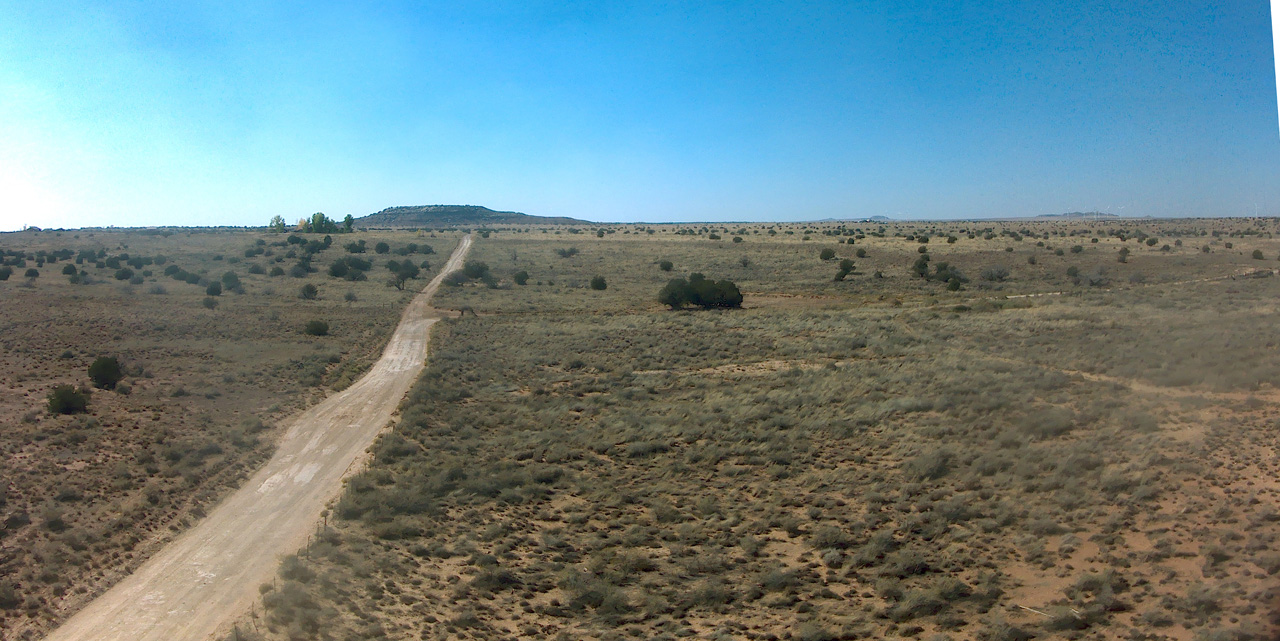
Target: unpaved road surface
point(209, 575)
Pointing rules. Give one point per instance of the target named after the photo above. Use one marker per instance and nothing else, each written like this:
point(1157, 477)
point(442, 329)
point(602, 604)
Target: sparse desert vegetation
point(1029, 438)
point(136, 393)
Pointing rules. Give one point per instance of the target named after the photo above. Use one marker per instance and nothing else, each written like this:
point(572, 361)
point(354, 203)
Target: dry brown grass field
point(85, 497)
point(884, 456)
point(1067, 431)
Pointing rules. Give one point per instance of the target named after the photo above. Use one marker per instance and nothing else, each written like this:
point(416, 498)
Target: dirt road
point(209, 575)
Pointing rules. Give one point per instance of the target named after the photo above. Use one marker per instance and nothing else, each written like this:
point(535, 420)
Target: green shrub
point(309, 292)
point(521, 277)
point(699, 291)
point(665, 265)
point(69, 269)
point(474, 269)
point(9, 598)
point(381, 248)
point(316, 328)
point(827, 254)
point(35, 273)
point(1257, 254)
point(846, 268)
point(105, 372)
point(598, 283)
point(65, 399)
point(6, 272)
point(214, 289)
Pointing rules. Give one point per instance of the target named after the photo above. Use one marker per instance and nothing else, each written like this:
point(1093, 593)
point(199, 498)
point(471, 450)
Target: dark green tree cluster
point(231, 282)
point(699, 291)
point(942, 272)
point(316, 328)
point(350, 267)
point(472, 270)
point(318, 224)
point(66, 399)
point(105, 372)
point(401, 272)
point(413, 248)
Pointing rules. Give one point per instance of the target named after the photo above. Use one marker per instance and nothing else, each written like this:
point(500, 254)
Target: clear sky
point(198, 113)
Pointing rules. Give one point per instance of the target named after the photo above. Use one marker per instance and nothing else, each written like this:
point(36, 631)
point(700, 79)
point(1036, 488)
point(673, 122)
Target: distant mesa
point(1079, 214)
point(455, 215)
point(868, 219)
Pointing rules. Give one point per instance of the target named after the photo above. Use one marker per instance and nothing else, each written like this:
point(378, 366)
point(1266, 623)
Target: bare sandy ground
point(198, 584)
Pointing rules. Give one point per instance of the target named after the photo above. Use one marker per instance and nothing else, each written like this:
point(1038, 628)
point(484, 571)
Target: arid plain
point(991, 430)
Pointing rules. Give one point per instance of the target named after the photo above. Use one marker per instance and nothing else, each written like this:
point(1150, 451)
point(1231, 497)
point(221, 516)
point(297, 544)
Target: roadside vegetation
point(145, 373)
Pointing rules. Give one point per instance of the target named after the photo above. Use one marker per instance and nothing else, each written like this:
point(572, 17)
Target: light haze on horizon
point(149, 113)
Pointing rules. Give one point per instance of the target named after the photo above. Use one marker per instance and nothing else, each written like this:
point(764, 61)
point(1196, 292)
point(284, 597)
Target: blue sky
point(144, 113)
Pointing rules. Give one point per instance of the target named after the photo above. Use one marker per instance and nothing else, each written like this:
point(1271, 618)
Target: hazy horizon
point(146, 114)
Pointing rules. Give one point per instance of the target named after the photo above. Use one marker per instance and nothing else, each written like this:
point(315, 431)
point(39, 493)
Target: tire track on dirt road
point(198, 584)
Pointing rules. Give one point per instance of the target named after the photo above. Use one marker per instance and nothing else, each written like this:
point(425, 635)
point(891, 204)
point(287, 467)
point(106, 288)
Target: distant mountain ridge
point(432, 215)
point(1079, 214)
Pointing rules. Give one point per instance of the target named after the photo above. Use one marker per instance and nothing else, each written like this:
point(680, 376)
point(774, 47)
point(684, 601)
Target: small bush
point(65, 399)
point(995, 274)
point(214, 289)
point(598, 283)
point(35, 273)
point(209, 302)
point(846, 268)
point(381, 248)
point(521, 277)
point(665, 265)
point(827, 254)
point(105, 372)
point(474, 269)
point(316, 328)
point(1257, 254)
point(6, 272)
point(309, 292)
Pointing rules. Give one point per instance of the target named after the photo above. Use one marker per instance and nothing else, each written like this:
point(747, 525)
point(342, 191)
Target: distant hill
point(1079, 214)
point(868, 219)
point(449, 215)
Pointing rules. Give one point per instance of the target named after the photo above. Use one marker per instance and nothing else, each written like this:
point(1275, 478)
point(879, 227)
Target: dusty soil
point(209, 575)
